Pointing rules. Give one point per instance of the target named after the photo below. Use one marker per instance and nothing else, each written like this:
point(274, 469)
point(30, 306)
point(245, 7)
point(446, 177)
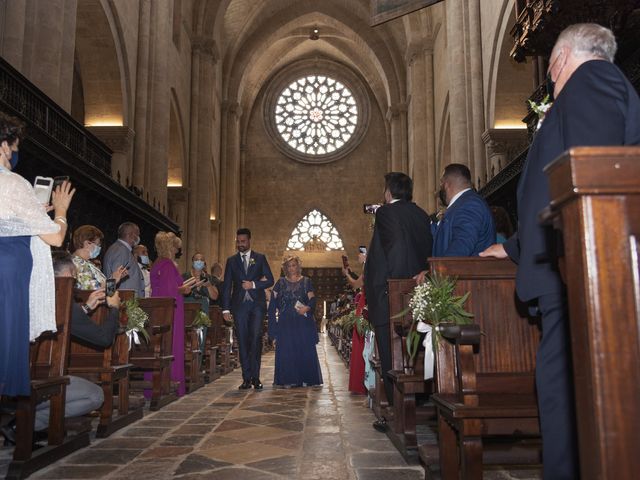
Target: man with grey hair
point(595, 106)
point(120, 254)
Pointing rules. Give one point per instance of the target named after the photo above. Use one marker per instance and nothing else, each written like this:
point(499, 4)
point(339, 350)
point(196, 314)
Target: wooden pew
point(108, 367)
point(212, 345)
point(157, 355)
point(192, 354)
point(221, 340)
point(484, 374)
point(48, 356)
point(406, 383)
point(595, 199)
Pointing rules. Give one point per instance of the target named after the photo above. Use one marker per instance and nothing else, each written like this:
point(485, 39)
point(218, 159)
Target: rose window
point(315, 232)
point(316, 115)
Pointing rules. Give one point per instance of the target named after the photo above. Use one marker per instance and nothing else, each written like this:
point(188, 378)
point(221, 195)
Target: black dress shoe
point(381, 425)
point(245, 385)
point(257, 384)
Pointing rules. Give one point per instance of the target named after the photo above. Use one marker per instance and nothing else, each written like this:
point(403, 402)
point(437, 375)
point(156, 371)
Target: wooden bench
point(406, 383)
point(108, 367)
point(221, 340)
point(157, 355)
point(211, 362)
point(192, 353)
point(48, 356)
point(485, 374)
point(595, 198)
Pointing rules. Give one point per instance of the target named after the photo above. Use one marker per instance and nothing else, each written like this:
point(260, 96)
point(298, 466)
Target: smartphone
point(362, 249)
point(43, 186)
point(57, 181)
point(110, 288)
point(345, 261)
point(371, 207)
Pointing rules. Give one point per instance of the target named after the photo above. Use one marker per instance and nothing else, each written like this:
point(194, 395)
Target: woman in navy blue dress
point(293, 327)
point(27, 292)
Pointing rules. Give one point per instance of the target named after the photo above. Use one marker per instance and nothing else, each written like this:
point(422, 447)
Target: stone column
point(502, 145)
point(459, 125)
point(421, 123)
point(230, 178)
point(203, 59)
point(397, 118)
point(120, 141)
point(152, 102)
point(477, 95)
point(39, 40)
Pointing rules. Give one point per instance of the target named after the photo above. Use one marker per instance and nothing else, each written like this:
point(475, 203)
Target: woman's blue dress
point(15, 273)
point(296, 335)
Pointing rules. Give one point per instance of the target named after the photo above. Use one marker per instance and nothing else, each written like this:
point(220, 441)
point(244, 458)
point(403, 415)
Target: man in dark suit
point(246, 276)
point(595, 106)
point(399, 248)
point(120, 254)
point(467, 227)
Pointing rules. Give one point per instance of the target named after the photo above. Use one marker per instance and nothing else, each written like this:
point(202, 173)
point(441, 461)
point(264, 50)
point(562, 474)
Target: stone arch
point(509, 82)
point(101, 65)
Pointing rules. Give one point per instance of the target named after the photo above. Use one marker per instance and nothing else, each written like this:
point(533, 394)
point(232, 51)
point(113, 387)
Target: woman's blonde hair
point(165, 241)
point(291, 258)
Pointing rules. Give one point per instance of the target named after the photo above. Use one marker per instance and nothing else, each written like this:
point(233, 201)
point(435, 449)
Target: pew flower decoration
point(201, 321)
point(540, 109)
point(351, 319)
point(136, 320)
point(432, 303)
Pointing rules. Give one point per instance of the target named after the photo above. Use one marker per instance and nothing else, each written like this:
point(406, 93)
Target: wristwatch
point(86, 308)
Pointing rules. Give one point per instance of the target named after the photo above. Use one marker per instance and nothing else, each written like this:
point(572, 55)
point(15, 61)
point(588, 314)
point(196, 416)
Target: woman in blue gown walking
point(292, 325)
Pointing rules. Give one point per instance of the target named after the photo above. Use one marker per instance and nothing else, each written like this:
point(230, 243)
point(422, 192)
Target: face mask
point(144, 260)
point(95, 251)
point(442, 195)
point(198, 264)
point(14, 160)
point(550, 85)
point(136, 242)
point(179, 253)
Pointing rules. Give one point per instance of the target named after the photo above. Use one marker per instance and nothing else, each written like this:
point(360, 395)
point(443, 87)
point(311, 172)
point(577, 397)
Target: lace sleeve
point(20, 212)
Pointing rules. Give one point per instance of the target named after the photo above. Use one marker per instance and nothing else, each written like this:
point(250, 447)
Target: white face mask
point(144, 259)
point(136, 242)
point(95, 251)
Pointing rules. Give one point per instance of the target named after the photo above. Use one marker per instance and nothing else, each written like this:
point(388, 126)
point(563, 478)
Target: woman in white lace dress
point(27, 291)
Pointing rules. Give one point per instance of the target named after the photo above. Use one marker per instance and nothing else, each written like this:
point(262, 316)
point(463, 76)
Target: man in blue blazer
point(595, 106)
point(246, 276)
point(467, 227)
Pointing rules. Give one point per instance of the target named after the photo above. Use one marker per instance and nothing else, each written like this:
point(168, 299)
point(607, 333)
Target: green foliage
point(347, 322)
point(136, 318)
point(201, 320)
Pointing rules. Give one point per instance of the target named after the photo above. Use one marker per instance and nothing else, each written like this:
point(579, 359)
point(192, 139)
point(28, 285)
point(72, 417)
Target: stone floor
point(219, 432)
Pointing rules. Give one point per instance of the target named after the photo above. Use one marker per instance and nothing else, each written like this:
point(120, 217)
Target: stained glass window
point(313, 231)
point(316, 115)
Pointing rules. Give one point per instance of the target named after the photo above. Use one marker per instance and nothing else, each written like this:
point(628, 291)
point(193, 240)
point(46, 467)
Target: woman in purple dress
point(166, 281)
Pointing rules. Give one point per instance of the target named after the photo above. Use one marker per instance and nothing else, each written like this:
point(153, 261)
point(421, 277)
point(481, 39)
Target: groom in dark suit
point(246, 277)
point(595, 106)
point(399, 248)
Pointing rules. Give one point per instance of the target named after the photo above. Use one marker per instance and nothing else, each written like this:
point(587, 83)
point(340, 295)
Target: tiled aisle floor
point(219, 432)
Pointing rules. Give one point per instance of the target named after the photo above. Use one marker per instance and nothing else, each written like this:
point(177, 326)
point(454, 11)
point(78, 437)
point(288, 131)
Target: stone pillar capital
point(395, 110)
point(205, 46)
point(118, 139)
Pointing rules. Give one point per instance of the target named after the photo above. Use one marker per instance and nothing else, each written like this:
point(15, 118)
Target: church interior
point(199, 117)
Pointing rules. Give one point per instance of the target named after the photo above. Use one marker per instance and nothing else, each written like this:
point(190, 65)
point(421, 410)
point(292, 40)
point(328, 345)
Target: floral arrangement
point(351, 319)
point(252, 261)
point(540, 109)
point(433, 302)
point(201, 320)
point(136, 320)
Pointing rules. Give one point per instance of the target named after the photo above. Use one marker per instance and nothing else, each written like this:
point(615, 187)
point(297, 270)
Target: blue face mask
point(95, 251)
point(144, 259)
point(198, 264)
point(14, 160)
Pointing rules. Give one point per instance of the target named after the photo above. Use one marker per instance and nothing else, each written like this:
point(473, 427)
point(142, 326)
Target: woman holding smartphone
point(27, 298)
point(293, 326)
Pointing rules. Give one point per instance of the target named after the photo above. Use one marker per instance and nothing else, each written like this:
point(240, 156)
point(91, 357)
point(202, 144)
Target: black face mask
point(550, 85)
point(442, 195)
point(179, 253)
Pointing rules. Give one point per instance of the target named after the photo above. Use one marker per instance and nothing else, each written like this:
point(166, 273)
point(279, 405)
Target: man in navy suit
point(595, 106)
point(467, 227)
point(246, 277)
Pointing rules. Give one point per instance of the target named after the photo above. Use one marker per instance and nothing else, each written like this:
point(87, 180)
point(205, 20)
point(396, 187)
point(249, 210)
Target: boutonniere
point(252, 261)
point(540, 109)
